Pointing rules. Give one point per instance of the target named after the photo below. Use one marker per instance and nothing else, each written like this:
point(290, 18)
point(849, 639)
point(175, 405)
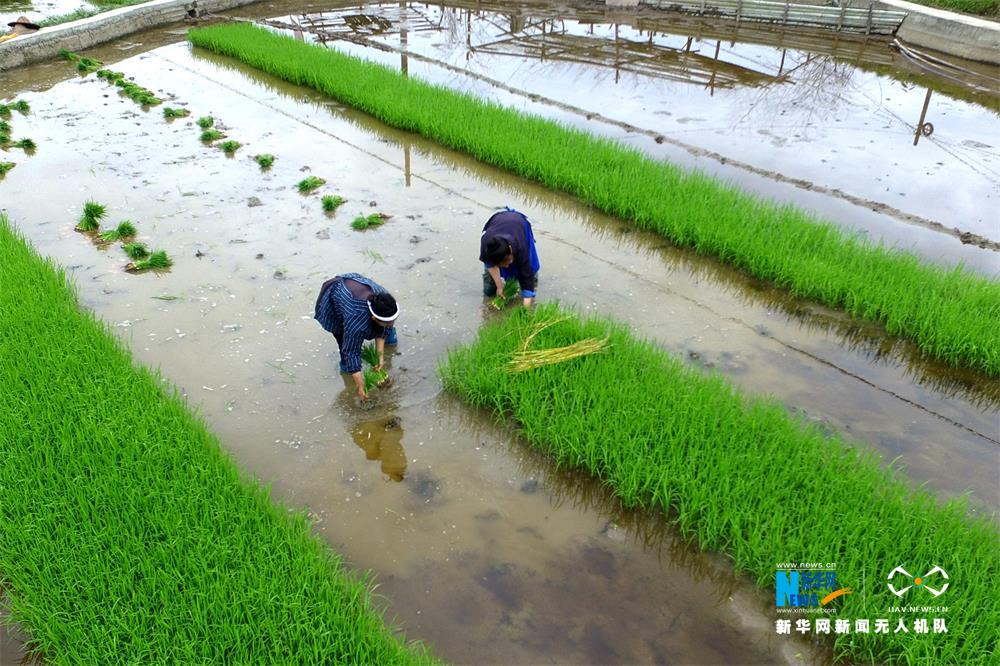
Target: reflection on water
point(382, 440)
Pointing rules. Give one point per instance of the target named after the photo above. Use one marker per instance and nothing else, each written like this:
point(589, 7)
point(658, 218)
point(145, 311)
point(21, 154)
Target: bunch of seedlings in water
point(952, 314)
point(137, 93)
point(373, 378)
point(157, 260)
point(4, 111)
point(310, 183)
point(124, 231)
point(265, 160)
point(230, 147)
point(21, 106)
point(136, 251)
point(5, 167)
point(5, 140)
point(363, 222)
point(87, 65)
point(332, 201)
point(110, 76)
point(667, 437)
point(93, 213)
point(511, 288)
point(210, 135)
point(205, 122)
point(5, 127)
point(170, 113)
point(27, 145)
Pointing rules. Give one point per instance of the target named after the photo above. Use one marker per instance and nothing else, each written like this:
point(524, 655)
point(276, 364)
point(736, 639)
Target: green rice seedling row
point(951, 313)
point(736, 474)
point(128, 536)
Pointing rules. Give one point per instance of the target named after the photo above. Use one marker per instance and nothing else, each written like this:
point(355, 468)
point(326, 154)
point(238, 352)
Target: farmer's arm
point(494, 272)
point(380, 348)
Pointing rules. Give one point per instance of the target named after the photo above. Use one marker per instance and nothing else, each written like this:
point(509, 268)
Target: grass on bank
point(985, 8)
point(128, 536)
point(738, 475)
point(951, 314)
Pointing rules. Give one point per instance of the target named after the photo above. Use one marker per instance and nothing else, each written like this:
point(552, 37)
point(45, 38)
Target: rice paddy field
point(630, 506)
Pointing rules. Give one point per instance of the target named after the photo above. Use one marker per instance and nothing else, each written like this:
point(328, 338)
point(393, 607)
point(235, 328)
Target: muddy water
point(798, 118)
point(480, 547)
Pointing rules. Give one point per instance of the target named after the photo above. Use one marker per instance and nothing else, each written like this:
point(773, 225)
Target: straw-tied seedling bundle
point(529, 359)
point(373, 378)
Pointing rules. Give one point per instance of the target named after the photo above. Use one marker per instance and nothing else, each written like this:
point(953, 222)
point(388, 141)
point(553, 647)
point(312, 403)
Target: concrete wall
point(955, 34)
point(82, 34)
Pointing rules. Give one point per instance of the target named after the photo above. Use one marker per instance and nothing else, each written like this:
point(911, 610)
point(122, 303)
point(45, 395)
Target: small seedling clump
point(171, 113)
point(4, 140)
point(5, 127)
point(93, 213)
point(332, 201)
point(125, 230)
point(205, 122)
point(363, 222)
point(136, 250)
point(26, 144)
point(5, 167)
point(511, 288)
point(156, 260)
point(265, 160)
point(4, 111)
point(87, 65)
point(210, 135)
point(21, 106)
point(230, 147)
point(307, 185)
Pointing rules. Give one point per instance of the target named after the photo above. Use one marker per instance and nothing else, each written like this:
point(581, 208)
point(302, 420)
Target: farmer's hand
point(362, 394)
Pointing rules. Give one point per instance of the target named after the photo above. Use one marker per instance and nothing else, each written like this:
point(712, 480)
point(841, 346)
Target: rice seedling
point(264, 160)
point(952, 314)
point(107, 472)
point(205, 122)
point(136, 250)
point(363, 222)
point(332, 201)
point(373, 378)
point(27, 145)
point(87, 65)
point(5, 167)
point(4, 111)
point(93, 213)
point(157, 260)
point(5, 127)
point(21, 106)
point(210, 135)
point(68, 55)
point(124, 231)
point(170, 113)
point(310, 183)
point(736, 474)
point(230, 147)
point(511, 289)
point(4, 140)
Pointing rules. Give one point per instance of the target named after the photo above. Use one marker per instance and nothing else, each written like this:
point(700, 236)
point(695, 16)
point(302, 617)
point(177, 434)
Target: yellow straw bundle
point(529, 360)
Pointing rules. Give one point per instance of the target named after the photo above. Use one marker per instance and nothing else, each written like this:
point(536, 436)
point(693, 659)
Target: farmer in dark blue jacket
point(356, 309)
point(507, 250)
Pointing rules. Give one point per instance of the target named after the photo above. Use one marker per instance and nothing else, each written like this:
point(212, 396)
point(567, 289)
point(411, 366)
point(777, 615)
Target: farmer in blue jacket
point(355, 308)
point(507, 250)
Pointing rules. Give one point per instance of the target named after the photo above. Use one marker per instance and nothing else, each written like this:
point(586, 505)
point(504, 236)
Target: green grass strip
point(953, 315)
point(741, 476)
point(126, 534)
point(986, 8)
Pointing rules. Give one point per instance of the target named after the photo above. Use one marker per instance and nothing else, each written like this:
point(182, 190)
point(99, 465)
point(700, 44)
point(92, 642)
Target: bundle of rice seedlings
point(158, 259)
point(205, 122)
point(93, 213)
point(136, 250)
point(230, 147)
point(87, 65)
point(26, 144)
point(363, 222)
point(5, 127)
point(5, 167)
point(4, 140)
point(68, 55)
point(511, 288)
point(124, 230)
point(307, 185)
point(4, 111)
point(265, 160)
point(332, 201)
point(373, 378)
point(171, 113)
point(21, 106)
point(210, 135)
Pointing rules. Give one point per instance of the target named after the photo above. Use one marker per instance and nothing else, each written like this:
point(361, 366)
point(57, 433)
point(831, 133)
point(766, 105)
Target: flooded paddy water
point(481, 547)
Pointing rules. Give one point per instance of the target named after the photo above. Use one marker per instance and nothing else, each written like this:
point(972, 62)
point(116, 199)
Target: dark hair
point(383, 305)
point(497, 250)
